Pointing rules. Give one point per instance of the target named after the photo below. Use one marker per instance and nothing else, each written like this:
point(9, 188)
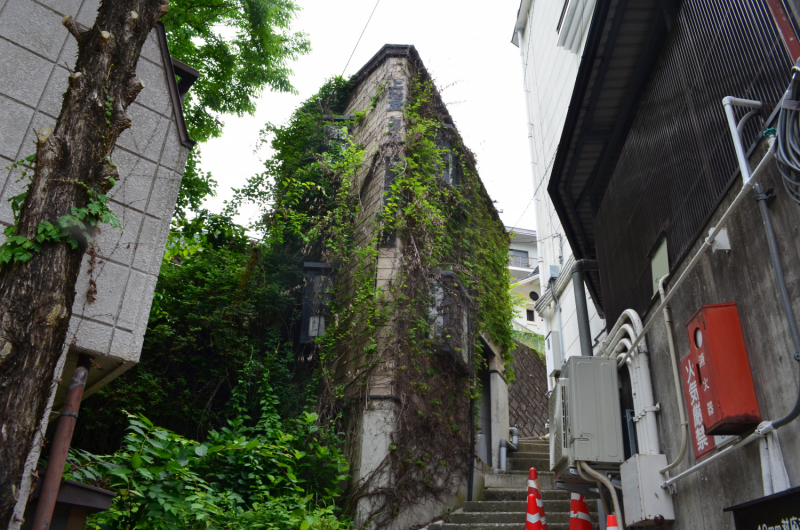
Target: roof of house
point(177, 89)
point(621, 50)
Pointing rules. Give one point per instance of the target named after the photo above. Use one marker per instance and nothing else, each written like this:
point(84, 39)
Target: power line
point(362, 34)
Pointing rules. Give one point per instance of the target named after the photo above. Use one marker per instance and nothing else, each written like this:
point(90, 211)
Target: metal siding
point(678, 160)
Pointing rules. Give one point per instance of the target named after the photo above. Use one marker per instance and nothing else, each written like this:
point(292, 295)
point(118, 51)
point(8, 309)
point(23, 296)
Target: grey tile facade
point(36, 55)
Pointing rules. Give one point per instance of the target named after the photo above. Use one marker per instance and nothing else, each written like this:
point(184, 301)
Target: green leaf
point(201, 450)
point(305, 525)
point(136, 461)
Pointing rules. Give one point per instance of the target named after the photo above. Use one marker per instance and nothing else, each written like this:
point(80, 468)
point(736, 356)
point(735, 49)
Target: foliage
point(240, 47)
point(312, 195)
point(257, 476)
point(73, 228)
point(213, 310)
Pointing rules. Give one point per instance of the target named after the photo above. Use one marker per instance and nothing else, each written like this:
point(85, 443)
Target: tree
point(65, 200)
point(240, 47)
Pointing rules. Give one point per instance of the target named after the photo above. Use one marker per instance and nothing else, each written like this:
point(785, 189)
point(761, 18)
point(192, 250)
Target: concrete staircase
point(504, 501)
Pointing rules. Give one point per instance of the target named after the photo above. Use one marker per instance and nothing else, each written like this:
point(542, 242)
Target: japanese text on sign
point(395, 95)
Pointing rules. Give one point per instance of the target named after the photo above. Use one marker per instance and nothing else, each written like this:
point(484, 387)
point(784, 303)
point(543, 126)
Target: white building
point(551, 40)
point(523, 264)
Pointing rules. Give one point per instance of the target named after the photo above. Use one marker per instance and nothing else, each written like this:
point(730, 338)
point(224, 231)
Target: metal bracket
point(721, 242)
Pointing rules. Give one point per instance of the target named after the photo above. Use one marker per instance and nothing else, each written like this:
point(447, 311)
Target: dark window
point(318, 294)
point(530, 315)
point(450, 171)
point(561, 18)
point(518, 258)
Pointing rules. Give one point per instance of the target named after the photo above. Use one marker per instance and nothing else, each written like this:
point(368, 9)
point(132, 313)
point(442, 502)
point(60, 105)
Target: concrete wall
point(743, 275)
point(550, 73)
point(35, 54)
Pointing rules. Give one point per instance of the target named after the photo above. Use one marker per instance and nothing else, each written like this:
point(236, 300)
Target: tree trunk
point(36, 296)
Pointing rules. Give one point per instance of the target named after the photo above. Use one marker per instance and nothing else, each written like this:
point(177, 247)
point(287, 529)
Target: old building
point(116, 284)
point(645, 166)
point(408, 414)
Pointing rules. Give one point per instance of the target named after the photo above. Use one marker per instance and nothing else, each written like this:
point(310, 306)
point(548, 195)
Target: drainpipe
point(531, 148)
point(506, 446)
point(581, 307)
point(560, 329)
point(61, 442)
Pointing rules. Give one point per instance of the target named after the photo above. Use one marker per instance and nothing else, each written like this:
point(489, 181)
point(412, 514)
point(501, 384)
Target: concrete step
point(542, 464)
point(521, 494)
point(503, 526)
point(529, 454)
point(509, 517)
point(518, 480)
point(555, 505)
point(534, 446)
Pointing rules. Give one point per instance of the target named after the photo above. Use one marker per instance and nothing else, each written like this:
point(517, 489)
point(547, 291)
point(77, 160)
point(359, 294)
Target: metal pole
point(581, 307)
point(61, 443)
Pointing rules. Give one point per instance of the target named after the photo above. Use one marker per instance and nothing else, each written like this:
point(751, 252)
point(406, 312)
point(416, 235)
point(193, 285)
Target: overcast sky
point(465, 45)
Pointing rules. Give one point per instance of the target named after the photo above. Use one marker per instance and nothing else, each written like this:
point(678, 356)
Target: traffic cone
point(611, 523)
point(579, 518)
point(532, 520)
point(533, 489)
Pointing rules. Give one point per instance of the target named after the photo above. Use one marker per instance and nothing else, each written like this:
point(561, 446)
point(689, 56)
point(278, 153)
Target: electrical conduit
point(676, 375)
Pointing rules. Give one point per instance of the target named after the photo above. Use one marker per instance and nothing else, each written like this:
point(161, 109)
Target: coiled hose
point(788, 132)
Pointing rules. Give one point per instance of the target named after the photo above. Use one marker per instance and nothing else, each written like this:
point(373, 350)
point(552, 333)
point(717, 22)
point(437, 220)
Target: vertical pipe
point(581, 307)
point(61, 442)
point(786, 301)
point(527, 106)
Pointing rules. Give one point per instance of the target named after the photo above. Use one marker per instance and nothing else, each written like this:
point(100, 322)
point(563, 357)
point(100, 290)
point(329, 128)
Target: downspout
point(61, 443)
point(581, 307)
point(531, 148)
point(676, 375)
point(558, 311)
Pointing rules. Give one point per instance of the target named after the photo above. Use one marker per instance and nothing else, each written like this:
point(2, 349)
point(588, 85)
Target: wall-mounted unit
point(717, 382)
point(586, 417)
point(642, 494)
point(552, 350)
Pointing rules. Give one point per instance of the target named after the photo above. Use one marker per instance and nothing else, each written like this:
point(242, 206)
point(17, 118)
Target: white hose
point(607, 483)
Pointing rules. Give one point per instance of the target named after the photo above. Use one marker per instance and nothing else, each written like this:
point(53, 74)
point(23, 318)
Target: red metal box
point(718, 383)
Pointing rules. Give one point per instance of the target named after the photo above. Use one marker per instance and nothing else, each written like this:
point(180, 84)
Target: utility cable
point(362, 34)
point(787, 153)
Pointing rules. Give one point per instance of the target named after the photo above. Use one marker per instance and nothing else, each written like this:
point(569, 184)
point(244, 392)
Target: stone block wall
point(36, 56)
point(527, 404)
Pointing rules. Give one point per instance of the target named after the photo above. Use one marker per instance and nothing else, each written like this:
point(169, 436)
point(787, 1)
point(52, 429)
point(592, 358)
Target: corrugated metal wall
point(678, 160)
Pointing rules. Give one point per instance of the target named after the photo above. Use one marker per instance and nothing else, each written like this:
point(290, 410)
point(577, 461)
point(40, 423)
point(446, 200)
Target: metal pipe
point(746, 187)
point(786, 302)
point(752, 438)
point(531, 148)
point(608, 485)
point(581, 307)
point(676, 375)
point(560, 329)
point(61, 443)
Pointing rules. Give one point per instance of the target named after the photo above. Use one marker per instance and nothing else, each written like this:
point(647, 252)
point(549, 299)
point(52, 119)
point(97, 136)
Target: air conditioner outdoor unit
point(585, 422)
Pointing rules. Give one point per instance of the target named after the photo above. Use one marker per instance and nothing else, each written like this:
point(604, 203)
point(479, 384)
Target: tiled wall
point(36, 55)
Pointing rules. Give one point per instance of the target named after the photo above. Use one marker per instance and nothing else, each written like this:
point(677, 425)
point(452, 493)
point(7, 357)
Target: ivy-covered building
point(410, 305)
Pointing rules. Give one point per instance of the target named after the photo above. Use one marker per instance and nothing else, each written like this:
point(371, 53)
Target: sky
point(466, 47)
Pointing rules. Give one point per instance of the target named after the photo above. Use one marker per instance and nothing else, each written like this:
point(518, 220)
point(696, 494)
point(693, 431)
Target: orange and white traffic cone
point(532, 520)
point(579, 518)
point(611, 523)
point(533, 489)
